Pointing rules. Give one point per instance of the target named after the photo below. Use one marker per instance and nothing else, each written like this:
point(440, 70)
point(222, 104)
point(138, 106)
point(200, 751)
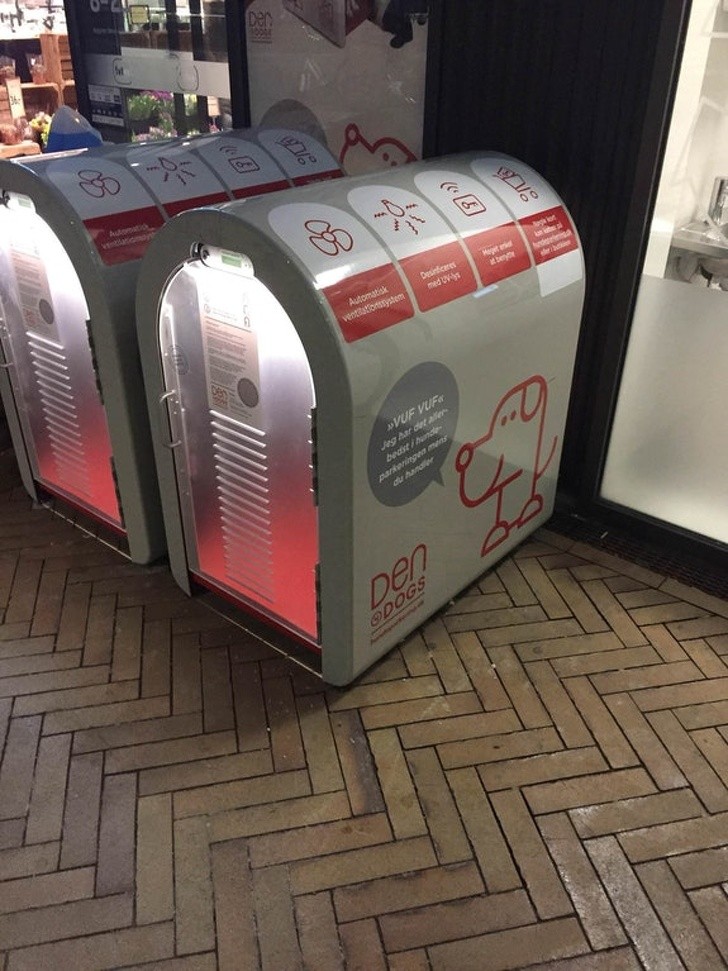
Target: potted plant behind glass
point(150, 109)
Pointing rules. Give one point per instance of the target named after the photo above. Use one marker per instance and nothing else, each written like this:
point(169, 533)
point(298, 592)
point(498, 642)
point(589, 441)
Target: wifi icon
point(450, 187)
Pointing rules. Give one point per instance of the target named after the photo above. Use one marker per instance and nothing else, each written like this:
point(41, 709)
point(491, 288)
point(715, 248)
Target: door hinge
point(94, 361)
point(314, 456)
point(317, 572)
point(115, 477)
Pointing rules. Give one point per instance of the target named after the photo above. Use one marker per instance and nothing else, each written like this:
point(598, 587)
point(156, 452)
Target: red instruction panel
point(369, 302)
point(439, 275)
point(331, 243)
point(550, 234)
point(498, 253)
point(124, 236)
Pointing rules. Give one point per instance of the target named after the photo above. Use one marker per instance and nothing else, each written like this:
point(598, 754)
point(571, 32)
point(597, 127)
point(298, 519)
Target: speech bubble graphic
point(413, 433)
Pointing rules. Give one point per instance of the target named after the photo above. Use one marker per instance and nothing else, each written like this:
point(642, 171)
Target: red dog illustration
point(525, 403)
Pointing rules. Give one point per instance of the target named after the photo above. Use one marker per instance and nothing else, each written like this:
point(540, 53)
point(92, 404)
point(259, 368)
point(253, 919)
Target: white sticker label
point(244, 167)
point(463, 200)
point(178, 177)
point(403, 220)
point(522, 190)
point(301, 157)
point(331, 242)
point(232, 374)
point(149, 68)
point(96, 186)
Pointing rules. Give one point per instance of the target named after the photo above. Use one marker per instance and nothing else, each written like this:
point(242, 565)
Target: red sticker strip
point(439, 275)
point(498, 253)
point(318, 177)
point(369, 302)
point(123, 236)
point(549, 234)
point(258, 190)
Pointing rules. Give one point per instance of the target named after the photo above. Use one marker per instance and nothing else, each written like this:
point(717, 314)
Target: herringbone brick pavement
point(538, 778)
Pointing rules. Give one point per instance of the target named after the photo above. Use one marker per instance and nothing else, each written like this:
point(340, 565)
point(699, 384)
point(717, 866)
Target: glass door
point(668, 452)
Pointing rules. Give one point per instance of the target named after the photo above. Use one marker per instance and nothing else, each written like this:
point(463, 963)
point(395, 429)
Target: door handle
point(163, 399)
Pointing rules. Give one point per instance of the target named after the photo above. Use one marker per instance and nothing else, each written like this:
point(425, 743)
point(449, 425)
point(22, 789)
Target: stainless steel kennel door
point(45, 340)
point(240, 400)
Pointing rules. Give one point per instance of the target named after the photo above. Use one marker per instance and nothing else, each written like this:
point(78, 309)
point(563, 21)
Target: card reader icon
point(469, 205)
point(244, 164)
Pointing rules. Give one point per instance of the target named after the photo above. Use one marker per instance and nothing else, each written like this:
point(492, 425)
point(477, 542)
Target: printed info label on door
point(486, 227)
point(33, 291)
point(352, 270)
point(117, 211)
point(550, 234)
point(232, 374)
point(432, 258)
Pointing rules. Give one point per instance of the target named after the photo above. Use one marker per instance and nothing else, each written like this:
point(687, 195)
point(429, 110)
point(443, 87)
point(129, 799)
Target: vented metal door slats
point(243, 487)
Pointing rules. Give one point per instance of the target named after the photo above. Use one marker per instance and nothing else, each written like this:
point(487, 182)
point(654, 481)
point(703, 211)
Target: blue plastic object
point(69, 130)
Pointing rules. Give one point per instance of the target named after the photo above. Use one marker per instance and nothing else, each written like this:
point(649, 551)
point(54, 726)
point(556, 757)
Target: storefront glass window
point(351, 72)
point(156, 69)
point(668, 453)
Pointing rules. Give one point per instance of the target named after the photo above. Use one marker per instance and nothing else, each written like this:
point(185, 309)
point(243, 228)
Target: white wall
point(697, 147)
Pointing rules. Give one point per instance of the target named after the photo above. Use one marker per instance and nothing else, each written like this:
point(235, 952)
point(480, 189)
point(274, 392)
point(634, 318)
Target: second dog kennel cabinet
point(73, 228)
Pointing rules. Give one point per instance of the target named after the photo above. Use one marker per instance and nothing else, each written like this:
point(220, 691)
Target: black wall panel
point(579, 89)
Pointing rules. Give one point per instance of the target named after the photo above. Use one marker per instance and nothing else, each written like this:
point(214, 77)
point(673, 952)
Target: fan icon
point(326, 239)
point(98, 185)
